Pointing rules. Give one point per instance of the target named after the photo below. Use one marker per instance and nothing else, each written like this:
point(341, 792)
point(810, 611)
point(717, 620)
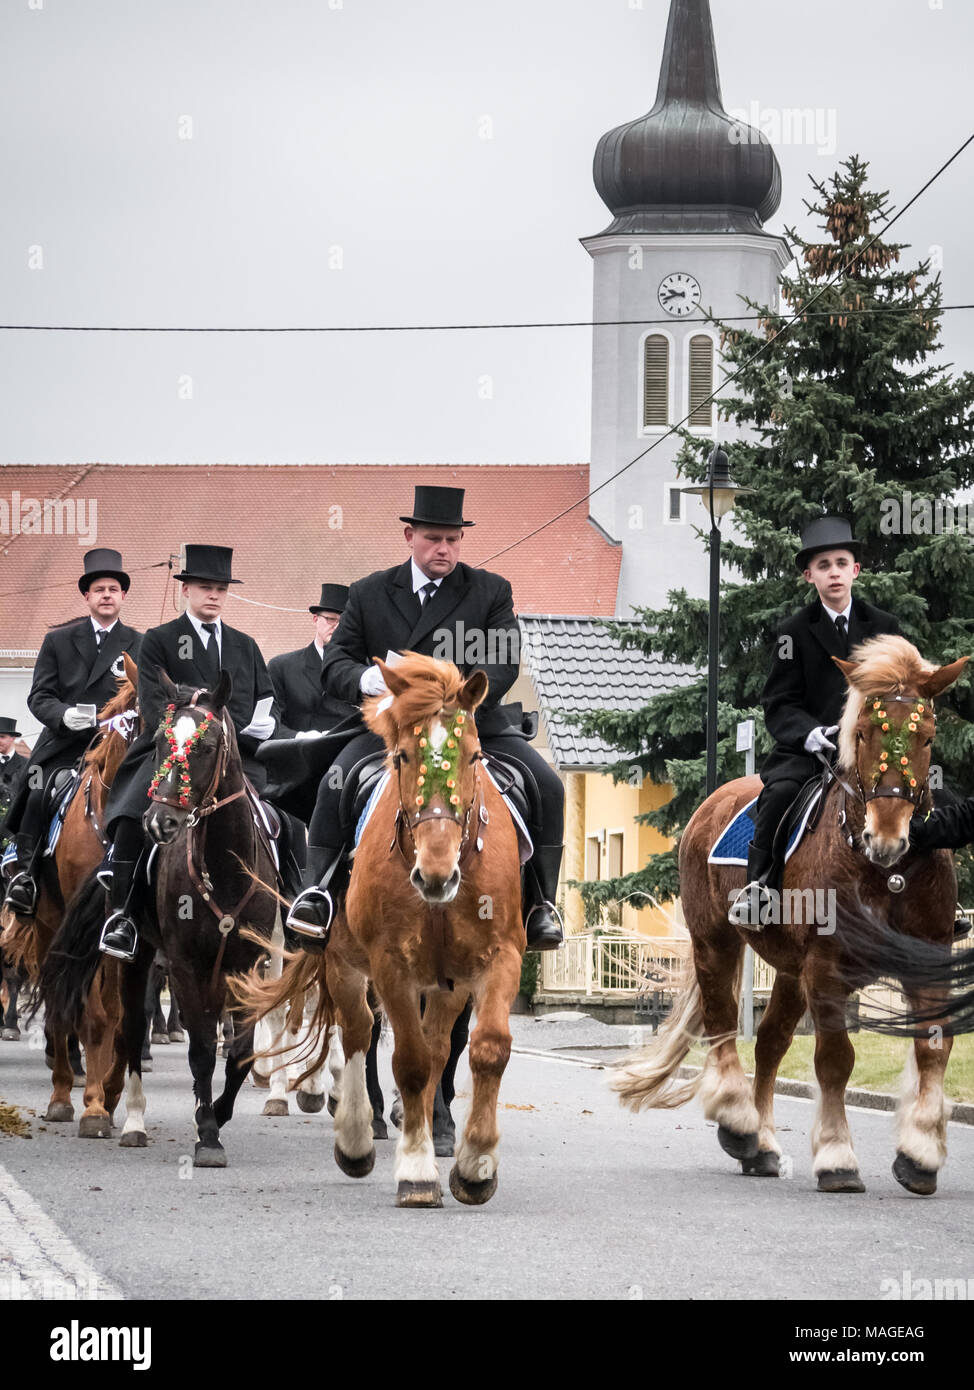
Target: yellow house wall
point(613, 806)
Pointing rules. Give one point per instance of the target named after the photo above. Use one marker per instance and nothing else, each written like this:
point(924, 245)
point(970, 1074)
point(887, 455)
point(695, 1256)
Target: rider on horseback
point(804, 693)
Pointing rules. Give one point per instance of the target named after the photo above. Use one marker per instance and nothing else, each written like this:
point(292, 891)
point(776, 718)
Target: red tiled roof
point(292, 528)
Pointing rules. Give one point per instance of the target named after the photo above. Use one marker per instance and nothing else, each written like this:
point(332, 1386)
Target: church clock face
point(679, 294)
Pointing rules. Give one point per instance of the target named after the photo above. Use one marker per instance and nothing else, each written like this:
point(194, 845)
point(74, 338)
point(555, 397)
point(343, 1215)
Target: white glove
point(75, 720)
point(259, 728)
point(819, 740)
point(371, 682)
point(311, 733)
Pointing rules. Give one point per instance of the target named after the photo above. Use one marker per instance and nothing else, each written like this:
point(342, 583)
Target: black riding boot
point(541, 918)
point(751, 908)
point(120, 936)
point(22, 889)
point(313, 910)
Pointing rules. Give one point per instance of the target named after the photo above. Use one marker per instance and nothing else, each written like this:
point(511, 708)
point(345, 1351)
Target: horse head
point(885, 737)
point(427, 723)
point(195, 745)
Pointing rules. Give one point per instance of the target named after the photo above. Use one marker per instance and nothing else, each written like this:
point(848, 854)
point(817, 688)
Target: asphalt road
point(593, 1203)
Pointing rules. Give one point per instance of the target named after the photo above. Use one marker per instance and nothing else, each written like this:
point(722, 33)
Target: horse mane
point(885, 665)
point(432, 686)
point(96, 758)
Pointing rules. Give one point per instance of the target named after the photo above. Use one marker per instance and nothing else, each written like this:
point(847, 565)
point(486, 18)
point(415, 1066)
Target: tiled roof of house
point(577, 667)
point(291, 529)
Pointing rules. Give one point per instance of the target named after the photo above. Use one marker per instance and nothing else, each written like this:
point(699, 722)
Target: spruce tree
point(847, 412)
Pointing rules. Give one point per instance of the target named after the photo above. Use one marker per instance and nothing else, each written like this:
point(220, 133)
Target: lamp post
point(718, 495)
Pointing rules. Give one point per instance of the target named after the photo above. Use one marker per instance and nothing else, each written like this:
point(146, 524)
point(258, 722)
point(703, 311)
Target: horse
point(433, 906)
point(27, 940)
point(865, 922)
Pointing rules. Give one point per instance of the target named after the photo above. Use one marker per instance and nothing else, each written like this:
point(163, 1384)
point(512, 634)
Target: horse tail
point(645, 1078)
point(70, 965)
point(19, 942)
point(257, 997)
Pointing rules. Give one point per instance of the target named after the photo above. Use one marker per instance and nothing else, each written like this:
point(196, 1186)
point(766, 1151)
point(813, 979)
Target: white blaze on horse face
point(437, 735)
point(183, 730)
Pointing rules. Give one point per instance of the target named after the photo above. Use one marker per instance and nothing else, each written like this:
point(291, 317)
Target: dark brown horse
point(856, 904)
point(434, 907)
point(27, 940)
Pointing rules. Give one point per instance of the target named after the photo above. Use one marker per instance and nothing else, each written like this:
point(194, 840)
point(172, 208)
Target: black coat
point(947, 827)
point(296, 677)
point(11, 773)
point(71, 669)
point(176, 649)
point(469, 620)
point(805, 688)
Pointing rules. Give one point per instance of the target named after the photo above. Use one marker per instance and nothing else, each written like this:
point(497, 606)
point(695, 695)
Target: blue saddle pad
point(370, 805)
point(60, 811)
point(731, 844)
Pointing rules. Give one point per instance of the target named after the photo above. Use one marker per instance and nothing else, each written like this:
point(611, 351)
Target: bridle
point(208, 803)
point(915, 794)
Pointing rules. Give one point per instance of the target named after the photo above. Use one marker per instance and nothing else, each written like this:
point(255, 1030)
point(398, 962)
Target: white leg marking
point(921, 1124)
point(353, 1118)
point(416, 1161)
point(727, 1099)
point(134, 1105)
point(476, 1165)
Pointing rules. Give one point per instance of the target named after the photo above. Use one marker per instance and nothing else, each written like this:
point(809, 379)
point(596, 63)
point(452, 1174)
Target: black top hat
point(8, 726)
point(103, 564)
point(333, 599)
point(438, 506)
point(209, 564)
point(826, 533)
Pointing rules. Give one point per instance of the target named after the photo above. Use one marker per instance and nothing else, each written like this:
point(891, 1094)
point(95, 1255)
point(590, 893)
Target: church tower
point(689, 190)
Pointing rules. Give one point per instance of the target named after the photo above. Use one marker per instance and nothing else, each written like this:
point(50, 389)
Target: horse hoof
point(471, 1194)
point(134, 1139)
point(275, 1107)
point(210, 1156)
point(379, 1130)
point(739, 1146)
point(922, 1181)
point(443, 1145)
point(419, 1194)
point(10, 1035)
point(59, 1111)
point(261, 1081)
point(332, 1105)
point(841, 1180)
point(95, 1127)
point(764, 1165)
point(160, 1038)
point(355, 1167)
point(146, 1065)
point(176, 1036)
point(311, 1101)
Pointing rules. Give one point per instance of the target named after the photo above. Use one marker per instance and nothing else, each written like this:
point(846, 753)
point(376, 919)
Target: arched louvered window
point(701, 381)
point(656, 381)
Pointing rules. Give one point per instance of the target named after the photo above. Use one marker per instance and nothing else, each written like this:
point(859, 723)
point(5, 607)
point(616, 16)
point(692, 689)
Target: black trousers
point(773, 802)
point(325, 828)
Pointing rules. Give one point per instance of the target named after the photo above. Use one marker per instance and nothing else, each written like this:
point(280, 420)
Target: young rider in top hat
point(430, 603)
point(805, 690)
point(192, 650)
point(77, 665)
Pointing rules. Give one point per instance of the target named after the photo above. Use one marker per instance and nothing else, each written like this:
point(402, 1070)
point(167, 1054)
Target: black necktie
point(212, 663)
point(426, 593)
point(842, 628)
point(100, 636)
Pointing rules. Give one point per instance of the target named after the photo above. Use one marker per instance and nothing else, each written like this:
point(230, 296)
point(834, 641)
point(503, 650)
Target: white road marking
point(37, 1260)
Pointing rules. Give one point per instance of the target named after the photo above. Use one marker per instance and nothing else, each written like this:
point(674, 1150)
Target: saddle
point(517, 784)
point(58, 793)
point(360, 783)
point(800, 819)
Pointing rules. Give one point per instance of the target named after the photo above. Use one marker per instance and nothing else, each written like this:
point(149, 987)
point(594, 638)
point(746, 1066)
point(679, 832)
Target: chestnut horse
point(27, 940)
point(856, 921)
point(433, 907)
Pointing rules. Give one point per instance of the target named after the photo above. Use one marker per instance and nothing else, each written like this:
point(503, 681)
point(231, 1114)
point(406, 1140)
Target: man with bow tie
point(74, 676)
point(805, 691)
point(431, 604)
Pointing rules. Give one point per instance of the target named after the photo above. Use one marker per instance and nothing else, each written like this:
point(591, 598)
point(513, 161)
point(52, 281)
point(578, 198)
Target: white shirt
point(205, 636)
point(319, 648)
point(98, 628)
point(420, 580)
point(846, 613)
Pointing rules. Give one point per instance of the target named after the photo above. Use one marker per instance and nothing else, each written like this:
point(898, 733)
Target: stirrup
point(118, 949)
point(543, 944)
point(752, 907)
point(25, 906)
point(315, 899)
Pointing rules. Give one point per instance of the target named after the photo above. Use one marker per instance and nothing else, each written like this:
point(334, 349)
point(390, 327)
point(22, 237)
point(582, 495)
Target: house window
point(656, 381)
point(592, 858)
point(675, 503)
point(701, 381)
point(615, 855)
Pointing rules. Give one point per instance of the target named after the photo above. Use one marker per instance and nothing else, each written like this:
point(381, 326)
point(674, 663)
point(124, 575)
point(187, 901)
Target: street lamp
point(718, 495)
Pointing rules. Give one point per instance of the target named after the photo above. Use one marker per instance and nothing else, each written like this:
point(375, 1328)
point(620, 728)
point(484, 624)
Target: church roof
point(292, 528)
point(687, 166)
point(578, 667)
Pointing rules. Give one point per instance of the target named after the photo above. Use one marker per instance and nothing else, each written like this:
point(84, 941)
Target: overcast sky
point(337, 174)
